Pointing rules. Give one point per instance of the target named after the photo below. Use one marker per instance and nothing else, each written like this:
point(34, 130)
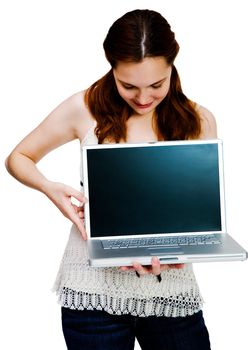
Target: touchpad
point(164, 251)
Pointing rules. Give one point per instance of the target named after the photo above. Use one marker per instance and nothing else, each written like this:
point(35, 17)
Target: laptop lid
point(174, 187)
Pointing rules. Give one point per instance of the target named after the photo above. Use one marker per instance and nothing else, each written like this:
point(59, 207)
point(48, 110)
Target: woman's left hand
point(155, 268)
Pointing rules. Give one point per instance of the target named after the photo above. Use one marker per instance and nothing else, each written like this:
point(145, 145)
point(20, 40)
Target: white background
point(51, 49)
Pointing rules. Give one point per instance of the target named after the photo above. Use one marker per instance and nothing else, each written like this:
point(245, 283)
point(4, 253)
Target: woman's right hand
point(61, 195)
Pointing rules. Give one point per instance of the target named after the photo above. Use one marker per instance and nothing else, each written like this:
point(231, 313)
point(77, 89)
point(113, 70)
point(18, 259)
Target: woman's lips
point(147, 105)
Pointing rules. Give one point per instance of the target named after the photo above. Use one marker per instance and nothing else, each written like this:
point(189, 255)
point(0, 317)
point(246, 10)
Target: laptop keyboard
point(160, 241)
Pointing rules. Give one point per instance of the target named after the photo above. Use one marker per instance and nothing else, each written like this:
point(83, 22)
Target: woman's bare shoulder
point(81, 117)
point(208, 123)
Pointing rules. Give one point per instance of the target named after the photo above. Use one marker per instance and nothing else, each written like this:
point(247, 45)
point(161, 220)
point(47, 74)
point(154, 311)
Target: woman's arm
point(67, 122)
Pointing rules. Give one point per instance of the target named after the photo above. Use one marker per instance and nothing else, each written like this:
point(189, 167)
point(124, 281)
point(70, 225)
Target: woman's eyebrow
point(157, 82)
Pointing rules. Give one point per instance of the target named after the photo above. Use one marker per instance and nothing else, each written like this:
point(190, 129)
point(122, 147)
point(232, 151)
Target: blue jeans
point(98, 330)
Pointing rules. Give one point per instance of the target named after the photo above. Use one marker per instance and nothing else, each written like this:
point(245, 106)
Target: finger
point(78, 195)
point(156, 270)
point(165, 267)
point(126, 268)
point(79, 211)
point(123, 268)
point(82, 230)
point(139, 268)
point(72, 214)
point(177, 266)
point(74, 217)
point(80, 226)
point(75, 208)
point(81, 214)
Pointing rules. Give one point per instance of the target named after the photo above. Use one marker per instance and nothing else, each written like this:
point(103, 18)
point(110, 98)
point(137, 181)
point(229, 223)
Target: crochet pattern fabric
point(80, 286)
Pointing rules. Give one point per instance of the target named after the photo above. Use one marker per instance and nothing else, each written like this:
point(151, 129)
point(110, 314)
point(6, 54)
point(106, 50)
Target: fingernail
point(135, 265)
point(159, 278)
point(84, 236)
point(155, 259)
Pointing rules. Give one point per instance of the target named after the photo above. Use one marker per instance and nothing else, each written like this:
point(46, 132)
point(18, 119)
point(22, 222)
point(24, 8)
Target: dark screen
point(159, 189)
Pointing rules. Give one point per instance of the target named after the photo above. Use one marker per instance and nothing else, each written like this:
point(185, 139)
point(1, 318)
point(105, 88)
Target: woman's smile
point(143, 106)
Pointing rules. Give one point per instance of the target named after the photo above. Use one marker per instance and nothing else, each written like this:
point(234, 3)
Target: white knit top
point(80, 286)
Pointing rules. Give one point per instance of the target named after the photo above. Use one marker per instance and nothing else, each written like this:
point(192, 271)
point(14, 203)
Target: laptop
point(163, 199)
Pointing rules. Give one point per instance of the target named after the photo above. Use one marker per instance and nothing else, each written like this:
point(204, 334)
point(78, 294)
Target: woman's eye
point(128, 87)
point(156, 86)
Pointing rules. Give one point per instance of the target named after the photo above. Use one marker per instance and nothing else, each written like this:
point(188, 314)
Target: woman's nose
point(142, 97)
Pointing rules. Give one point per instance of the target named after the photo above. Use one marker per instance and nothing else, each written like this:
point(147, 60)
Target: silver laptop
point(163, 199)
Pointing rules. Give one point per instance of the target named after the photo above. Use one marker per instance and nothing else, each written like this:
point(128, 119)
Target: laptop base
point(228, 250)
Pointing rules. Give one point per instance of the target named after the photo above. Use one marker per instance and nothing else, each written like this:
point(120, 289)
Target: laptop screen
point(153, 189)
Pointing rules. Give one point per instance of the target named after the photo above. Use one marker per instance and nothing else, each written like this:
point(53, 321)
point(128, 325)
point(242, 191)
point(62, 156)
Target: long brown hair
point(134, 36)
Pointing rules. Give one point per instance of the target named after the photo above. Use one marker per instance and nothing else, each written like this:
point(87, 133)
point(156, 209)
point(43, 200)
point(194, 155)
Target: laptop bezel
point(84, 165)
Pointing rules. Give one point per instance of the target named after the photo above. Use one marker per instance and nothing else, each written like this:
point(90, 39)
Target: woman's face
point(143, 85)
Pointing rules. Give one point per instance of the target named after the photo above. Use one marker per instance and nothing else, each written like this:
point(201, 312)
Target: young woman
point(139, 100)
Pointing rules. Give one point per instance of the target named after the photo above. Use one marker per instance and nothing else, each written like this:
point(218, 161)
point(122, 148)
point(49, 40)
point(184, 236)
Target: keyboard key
point(160, 241)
